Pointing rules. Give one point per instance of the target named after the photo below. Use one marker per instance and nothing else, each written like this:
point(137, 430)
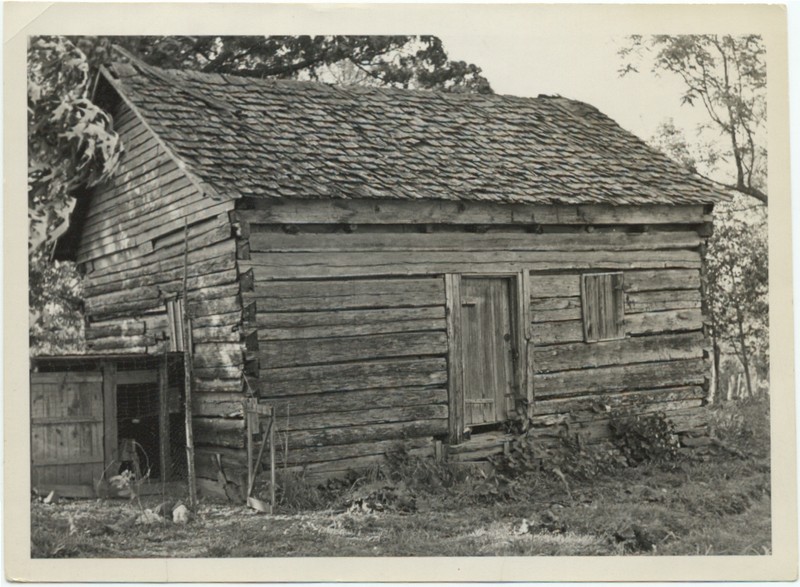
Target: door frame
point(521, 327)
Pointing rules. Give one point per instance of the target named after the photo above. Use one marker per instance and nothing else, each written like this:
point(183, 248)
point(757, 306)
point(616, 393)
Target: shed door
point(487, 349)
point(66, 428)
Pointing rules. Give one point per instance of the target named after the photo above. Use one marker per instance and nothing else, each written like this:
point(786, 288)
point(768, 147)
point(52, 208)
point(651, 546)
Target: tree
point(736, 278)
point(727, 74)
point(737, 285)
point(72, 145)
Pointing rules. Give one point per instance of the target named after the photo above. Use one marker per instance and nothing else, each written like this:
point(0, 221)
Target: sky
point(580, 67)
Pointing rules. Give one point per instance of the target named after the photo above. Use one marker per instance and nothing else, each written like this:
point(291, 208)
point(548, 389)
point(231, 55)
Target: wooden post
point(187, 373)
point(163, 417)
point(455, 367)
point(272, 461)
point(110, 439)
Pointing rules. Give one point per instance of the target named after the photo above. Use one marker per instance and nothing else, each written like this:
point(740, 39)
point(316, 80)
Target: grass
point(720, 505)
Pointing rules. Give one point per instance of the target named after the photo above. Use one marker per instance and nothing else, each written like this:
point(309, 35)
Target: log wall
point(351, 340)
point(132, 252)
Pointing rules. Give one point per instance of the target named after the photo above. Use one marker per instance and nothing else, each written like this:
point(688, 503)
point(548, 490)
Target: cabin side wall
point(350, 329)
point(132, 252)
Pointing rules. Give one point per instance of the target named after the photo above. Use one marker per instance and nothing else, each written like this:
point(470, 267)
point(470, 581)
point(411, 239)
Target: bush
point(645, 438)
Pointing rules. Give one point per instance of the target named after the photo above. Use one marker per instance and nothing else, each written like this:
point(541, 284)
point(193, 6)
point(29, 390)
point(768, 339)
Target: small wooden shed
point(384, 265)
point(92, 415)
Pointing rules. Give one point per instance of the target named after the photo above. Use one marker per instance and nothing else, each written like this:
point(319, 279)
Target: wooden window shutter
point(602, 303)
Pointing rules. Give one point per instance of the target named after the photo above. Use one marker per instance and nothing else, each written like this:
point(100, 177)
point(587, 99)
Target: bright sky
point(578, 66)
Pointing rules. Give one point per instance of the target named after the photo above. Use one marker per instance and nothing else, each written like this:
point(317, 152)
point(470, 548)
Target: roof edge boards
point(202, 186)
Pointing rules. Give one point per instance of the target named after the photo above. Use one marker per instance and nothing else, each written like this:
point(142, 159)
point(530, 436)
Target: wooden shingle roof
point(287, 139)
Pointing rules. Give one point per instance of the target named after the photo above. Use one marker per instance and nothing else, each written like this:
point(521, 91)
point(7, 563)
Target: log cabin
point(385, 265)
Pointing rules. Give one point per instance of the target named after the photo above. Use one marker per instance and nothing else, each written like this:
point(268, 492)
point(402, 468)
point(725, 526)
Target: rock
point(180, 515)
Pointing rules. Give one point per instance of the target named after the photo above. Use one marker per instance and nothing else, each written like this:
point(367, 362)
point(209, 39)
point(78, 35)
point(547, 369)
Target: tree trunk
point(744, 356)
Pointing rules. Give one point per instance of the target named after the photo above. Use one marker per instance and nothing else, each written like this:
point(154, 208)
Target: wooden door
point(487, 347)
point(66, 428)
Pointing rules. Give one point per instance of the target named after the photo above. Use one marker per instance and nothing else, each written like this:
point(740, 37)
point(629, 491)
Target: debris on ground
point(149, 517)
point(547, 522)
point(374, 498)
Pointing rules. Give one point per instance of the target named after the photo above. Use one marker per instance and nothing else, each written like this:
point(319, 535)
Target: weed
point(645, 437)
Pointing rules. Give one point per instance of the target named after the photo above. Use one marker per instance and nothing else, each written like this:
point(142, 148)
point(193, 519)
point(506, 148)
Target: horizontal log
point(222, 319)
point(212, 307)
point(547, 333)
point(209, 292)
point(347, 318)
point(339, 295)
point(343, 466)
point(210, 373)
point(439, 212)
point(665, 279)
point(329, 454)
point(362, 417)
point(280, 242)
point(218, 432)
point(552, 309)
point(600, 414)
point(352, 434)
point(218, 404)
point(620, 378)
point(620, 352)
point(352, 376)
point(607, 402)
point(568, 284)
point(218, 354)
point(367, 399)
point(287, 353)
point(234, 384)
point(229, 333)
point(130, 308)
point(315, 265)
point(353, 329)
point(123, 327)
point(660, 322)
point(121, 342)
point(657, 301)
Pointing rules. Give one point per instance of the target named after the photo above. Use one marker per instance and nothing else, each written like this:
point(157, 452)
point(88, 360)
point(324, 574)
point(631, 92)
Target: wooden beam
point(110, 439)
point(455, 367)
point(440, 212)
point(163, 418)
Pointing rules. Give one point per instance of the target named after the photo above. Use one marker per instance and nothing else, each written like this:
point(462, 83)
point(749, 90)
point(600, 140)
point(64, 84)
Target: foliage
point(643, 438)
point(72, 145)
point(744, 425)
point(55, 302)
point(727, 75)
point(398, 61)
point(737, 284)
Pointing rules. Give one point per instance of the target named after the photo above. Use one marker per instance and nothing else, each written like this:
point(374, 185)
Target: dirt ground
point(716, 507)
